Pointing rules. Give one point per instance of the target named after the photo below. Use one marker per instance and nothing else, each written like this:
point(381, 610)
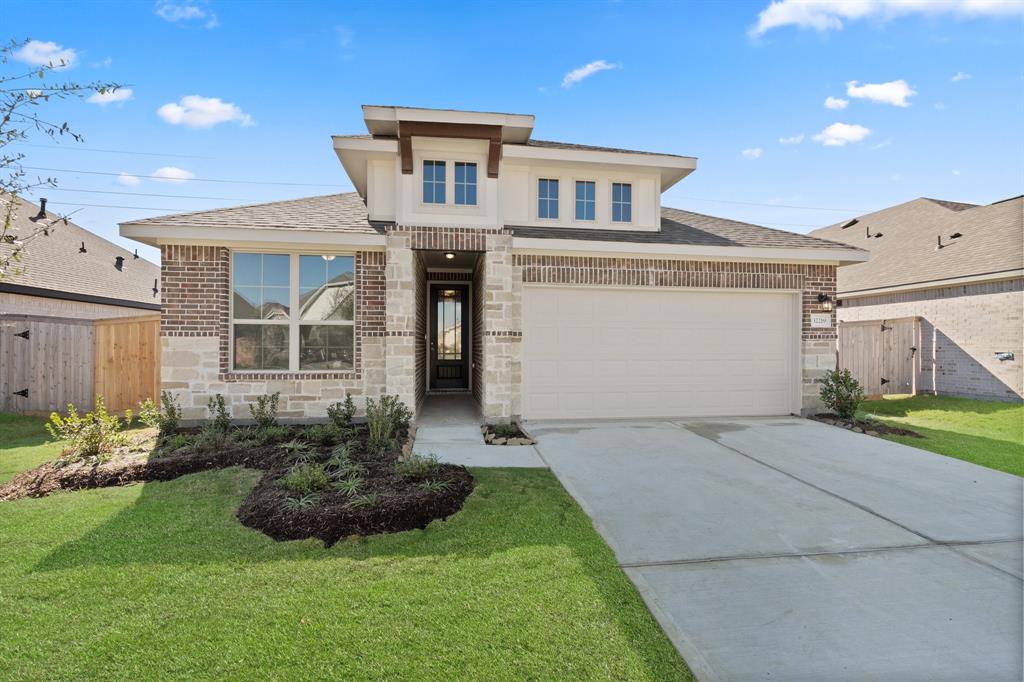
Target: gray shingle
point(908, 253)
point(54, 262)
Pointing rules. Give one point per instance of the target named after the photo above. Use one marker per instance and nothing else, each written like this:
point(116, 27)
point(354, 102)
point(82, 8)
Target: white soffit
point(383, 120)
point(672, 168)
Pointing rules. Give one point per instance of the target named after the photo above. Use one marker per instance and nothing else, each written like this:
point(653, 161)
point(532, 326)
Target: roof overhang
point(384, 120)
point(155, 234)
point(934, 283)
point(355, 153)
point(688, 251)
point(671, 168)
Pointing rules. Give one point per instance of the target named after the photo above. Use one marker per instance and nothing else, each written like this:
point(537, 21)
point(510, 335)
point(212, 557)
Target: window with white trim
point(586, 199)
point(292, 312)
point(433, 182)
point(622, 202)
point(547, 198)
point(465, 183)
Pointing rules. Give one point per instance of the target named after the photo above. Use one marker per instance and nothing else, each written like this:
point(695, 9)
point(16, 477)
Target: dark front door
point(449, 336)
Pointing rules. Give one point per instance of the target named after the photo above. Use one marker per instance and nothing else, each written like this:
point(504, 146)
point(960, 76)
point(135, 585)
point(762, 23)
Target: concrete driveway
point(785, 549)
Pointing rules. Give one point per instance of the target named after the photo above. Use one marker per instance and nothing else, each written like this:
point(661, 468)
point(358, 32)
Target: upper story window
point(547, 199)
point(465, 184)
point(292, 312)
point(622, 202)
point(586, 199)
point(433, 182)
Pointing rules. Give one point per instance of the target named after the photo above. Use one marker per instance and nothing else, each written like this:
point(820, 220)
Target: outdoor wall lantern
point(826, 302)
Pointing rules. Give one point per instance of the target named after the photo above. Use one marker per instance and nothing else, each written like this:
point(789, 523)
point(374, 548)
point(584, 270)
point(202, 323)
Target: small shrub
point(296, 451)
point(385, 419)
point(434, 487)
point(212, 439)
point(301, 503)
point(416, 467)
point(305, 478)
point(175, 442)
point(841, 393)
point(164, 417)
point(220, 419)
point(362, 501)
point(348, 486)
point(92, 436)
point(268, 435)
point(322, 434)
point(505, 430)
point(341, 452)
point(264, 410)
point(342, 414)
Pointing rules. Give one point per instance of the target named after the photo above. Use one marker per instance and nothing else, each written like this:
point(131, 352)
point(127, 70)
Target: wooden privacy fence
point(882, 354)
point(48, 362)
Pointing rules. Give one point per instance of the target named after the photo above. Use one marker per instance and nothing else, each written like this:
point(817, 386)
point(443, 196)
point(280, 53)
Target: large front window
point(293, 312)
point(433, 182)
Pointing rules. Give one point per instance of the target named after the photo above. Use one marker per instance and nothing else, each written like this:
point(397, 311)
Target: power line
point(138, 208)
point(157, 177)
point(754, 203)
point(141, 194)
point(111, 151)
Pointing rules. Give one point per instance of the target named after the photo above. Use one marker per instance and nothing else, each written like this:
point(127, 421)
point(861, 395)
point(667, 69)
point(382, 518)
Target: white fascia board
point(567, 247)
point(671, 168)
point(155, 235)
point(384, 120)
point(365, 144)
point(934, 284)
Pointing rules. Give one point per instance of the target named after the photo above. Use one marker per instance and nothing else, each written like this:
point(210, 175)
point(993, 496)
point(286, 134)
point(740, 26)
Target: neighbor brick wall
point(962, 328)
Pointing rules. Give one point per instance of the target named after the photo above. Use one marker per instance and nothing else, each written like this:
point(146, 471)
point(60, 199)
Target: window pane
point(627, 193)
point(465, 183)
point(261, 346)
point(247, 303)
point(627, 213)
point(275, 270)
point(616, 191)
point(433, 182)
point(246, 268)
point(471, 195)
point(460, 172)
point(580, 191)
point(449, 325)
point(260, 285)
point(326, 347)
point(326, 288)
point(617, 212)
point(460, 194)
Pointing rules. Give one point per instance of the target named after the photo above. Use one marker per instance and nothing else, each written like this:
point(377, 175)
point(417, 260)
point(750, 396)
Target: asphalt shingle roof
point(908, 253)
point(347, 213)
point(54, 262)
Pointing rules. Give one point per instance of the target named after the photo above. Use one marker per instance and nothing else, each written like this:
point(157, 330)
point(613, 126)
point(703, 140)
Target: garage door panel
point(590, 352)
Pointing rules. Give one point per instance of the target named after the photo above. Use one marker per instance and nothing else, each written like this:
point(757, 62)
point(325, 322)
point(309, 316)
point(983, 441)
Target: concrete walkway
point(449, 426)
point(786, 549)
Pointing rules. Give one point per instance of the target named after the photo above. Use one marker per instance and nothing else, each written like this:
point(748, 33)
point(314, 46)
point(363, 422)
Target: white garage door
point(590, 352)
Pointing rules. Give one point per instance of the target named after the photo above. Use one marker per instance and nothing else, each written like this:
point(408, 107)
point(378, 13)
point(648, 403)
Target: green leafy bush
point(342, 414)
point(175, 442)
point(92, 436)
point(164, 417)
point(385, 419)
point(416, 467)
point(321, 434)
point(212, 439)
point(505, 430)
point(264, 410)
point(434, 487)
point(220, 419)
point(841, 393)
point(305, 478)
point(296, 451)
point(348, 486)
point(268, 435)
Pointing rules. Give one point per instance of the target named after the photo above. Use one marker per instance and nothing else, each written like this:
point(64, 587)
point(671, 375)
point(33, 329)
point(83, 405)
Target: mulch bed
point(399, 503)
point(871, 428)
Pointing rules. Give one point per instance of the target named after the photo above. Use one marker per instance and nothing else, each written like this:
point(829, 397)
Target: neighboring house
point(72, 272)
point(544, 278)
point(957, 267)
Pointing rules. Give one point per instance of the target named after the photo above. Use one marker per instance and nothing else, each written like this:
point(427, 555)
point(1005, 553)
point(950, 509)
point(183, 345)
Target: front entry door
point(449, 336)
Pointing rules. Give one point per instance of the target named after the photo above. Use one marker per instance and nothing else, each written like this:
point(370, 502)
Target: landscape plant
point(220, 419)
point(342, 414)
point(90, 437)
point(264, 410)
point(163, 417)
point(842, 393)
point(305, 478)
point(385, 419)
point(416, 467)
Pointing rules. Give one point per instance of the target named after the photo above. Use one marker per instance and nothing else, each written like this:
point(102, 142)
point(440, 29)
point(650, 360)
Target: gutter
point(71, 296)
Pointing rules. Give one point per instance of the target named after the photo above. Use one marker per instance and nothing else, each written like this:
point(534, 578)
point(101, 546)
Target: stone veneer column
point(400, 318)
point(502, 332)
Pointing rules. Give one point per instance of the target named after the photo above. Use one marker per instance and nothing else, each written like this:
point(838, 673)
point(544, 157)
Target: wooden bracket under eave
point(409, 129)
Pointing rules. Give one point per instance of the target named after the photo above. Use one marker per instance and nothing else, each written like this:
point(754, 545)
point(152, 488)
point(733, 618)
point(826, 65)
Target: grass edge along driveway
point(161, 581)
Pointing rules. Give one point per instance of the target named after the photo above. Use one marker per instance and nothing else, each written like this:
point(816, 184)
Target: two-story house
point(544, 278)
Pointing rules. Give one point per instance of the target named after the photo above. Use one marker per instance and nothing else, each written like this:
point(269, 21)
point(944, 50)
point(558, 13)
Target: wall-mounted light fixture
point(826, 302)
point(450, 255)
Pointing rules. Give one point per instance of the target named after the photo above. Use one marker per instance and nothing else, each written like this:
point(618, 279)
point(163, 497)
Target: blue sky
point(720, 81)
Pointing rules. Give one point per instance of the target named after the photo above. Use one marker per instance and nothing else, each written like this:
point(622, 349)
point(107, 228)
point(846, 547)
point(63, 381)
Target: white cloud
point(792, 139)
point(172, 174)
point(836, 103)
point(128, 180)
point(40, 53)
point(119, 95)
point(960, 76)
point(576, 75)
point(753, 153)
point(830, 15)
point(896, 93)
point(185, 12)
point(841, 134)
point(196, 111)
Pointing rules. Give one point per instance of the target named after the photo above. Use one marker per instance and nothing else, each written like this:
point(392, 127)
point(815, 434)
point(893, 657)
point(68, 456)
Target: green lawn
point(22, 444)
point(987, 433)
point(161, 581)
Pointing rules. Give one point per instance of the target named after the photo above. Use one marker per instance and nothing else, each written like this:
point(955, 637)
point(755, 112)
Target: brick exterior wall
point(962, 328)
point(195, 340)
point(444, 238)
